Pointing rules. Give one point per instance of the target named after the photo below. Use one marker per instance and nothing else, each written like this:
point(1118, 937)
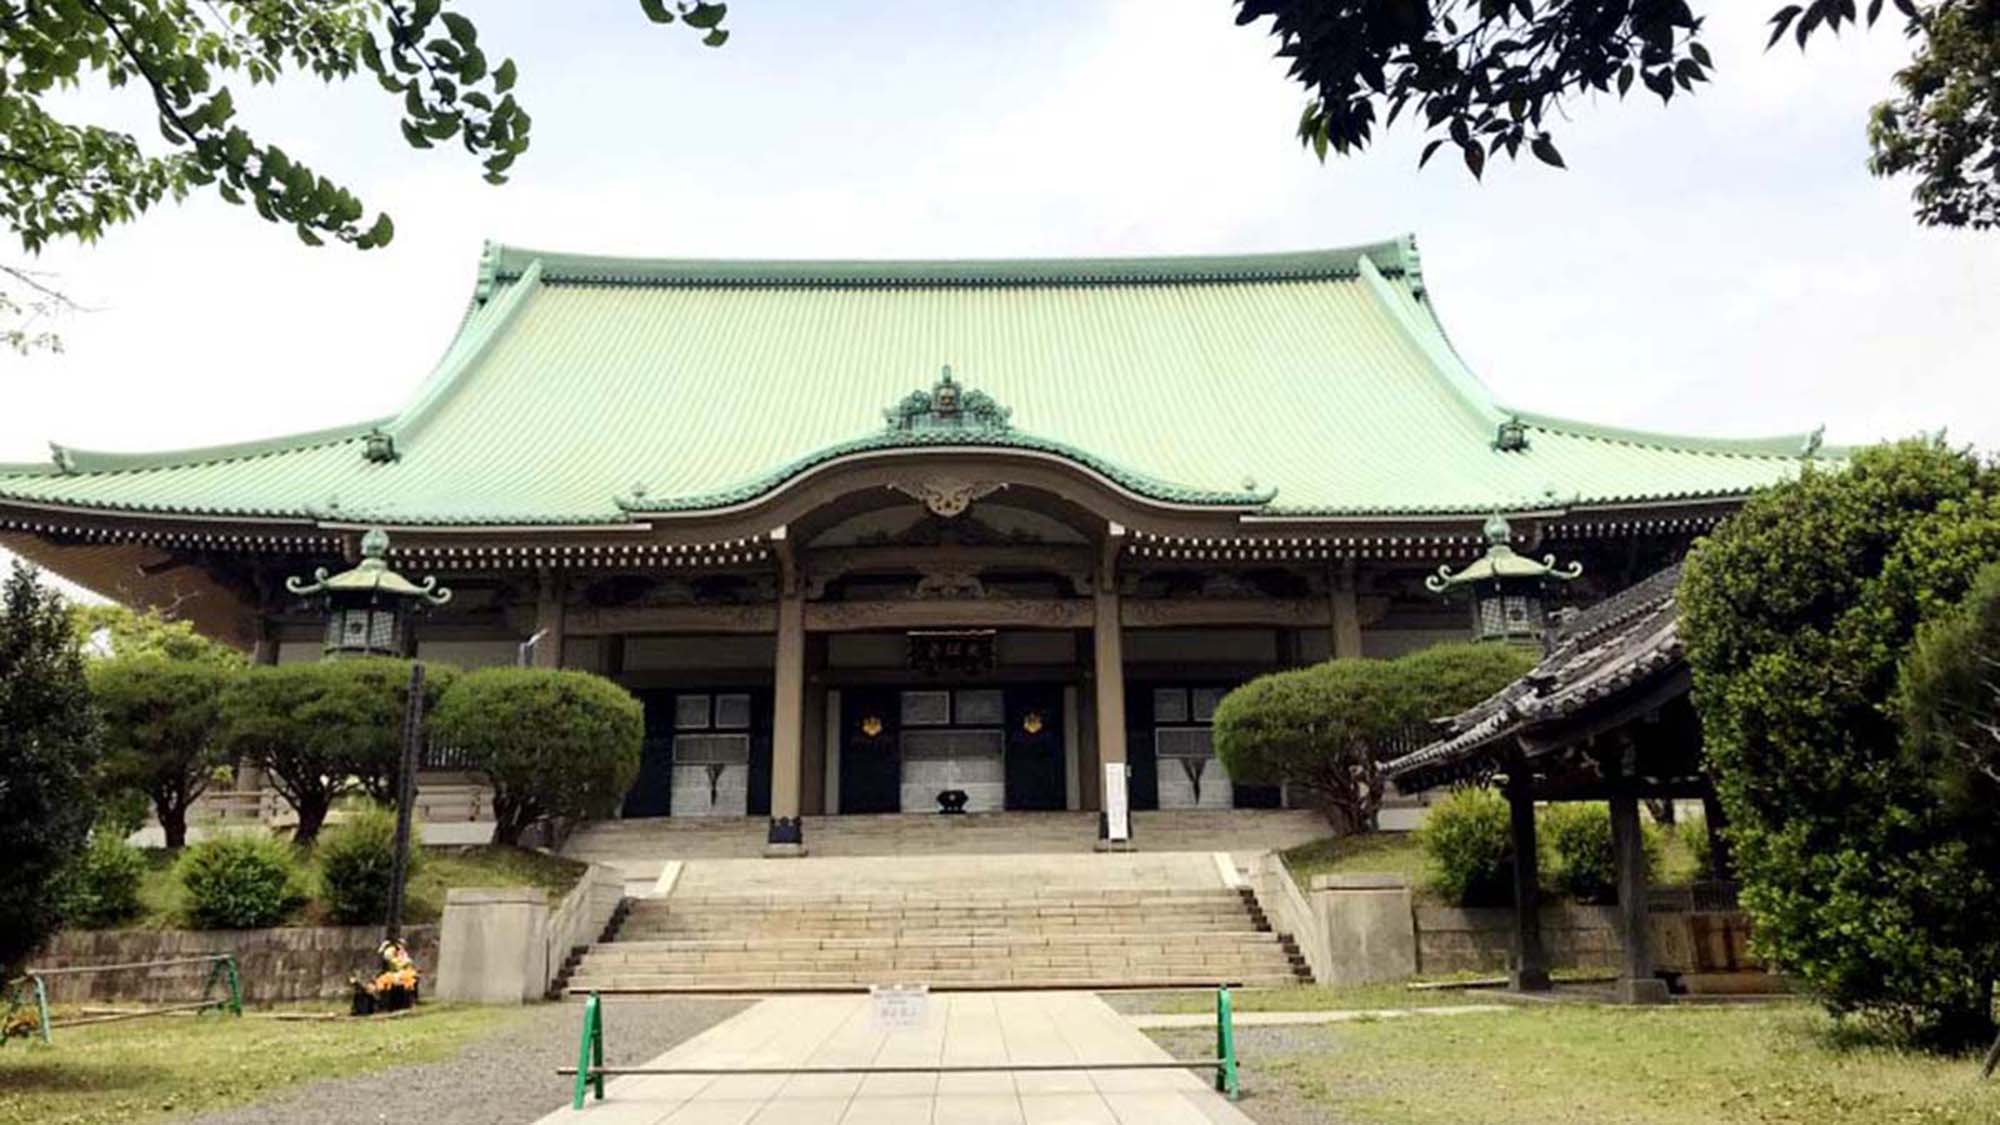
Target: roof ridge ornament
point(1813, 441)
point(948, 405)
point(1511, 436)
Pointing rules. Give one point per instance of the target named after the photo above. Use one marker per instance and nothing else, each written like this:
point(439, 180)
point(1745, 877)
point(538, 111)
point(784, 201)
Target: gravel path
point(1270, 1097)
point(508, 1076)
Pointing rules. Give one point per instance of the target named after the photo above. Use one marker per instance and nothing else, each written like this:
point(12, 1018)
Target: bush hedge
point(1468, 846)
point(104, 882)
point(239, 881)
point(1583, 864)
point(357, 859)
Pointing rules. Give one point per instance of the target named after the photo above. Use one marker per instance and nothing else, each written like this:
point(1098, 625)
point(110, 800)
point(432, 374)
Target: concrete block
point(492, 948)
point(1370, 928)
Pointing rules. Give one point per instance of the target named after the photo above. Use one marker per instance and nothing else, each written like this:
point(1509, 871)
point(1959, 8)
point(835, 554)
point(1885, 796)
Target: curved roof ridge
point(763, 484)
point(66, 459)
point(474, 340)
point(1396, 255)
point(1428, 337)
point(1793, 446)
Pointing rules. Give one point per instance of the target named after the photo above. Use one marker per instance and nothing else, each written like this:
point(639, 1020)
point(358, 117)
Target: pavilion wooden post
point(1346, 613)
point(1531, 961)
point(1108, 670)
point(549, 621)
point(787, 831)
point(1637, 984)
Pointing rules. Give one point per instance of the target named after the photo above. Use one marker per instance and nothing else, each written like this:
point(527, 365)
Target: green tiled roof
point(581, 390)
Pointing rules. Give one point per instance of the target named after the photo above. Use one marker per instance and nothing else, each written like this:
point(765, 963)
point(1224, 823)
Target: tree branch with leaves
point(1487, 77)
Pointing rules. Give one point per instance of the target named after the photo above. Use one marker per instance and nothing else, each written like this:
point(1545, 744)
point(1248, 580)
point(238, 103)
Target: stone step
point(799, 982)
point(1002, 940)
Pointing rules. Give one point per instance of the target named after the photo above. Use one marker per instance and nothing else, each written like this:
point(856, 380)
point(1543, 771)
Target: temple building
point(860, 532)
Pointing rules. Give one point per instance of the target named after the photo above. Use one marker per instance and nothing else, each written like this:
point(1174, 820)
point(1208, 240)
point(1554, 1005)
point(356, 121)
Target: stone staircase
point(975, 923)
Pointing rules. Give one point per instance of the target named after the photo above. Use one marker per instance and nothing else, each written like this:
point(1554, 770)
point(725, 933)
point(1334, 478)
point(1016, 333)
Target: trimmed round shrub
point(239, 881)
point(356, 861)
point(1469, 847)
point(553, 743)
point(104, 884)
point(1583, 864)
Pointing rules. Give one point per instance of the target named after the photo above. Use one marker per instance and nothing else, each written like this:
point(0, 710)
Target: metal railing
point(222, 971)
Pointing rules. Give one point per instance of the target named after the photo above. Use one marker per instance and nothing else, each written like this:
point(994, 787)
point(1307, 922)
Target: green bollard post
point(597, 1042)
point(1225, 1045)
point(235, 986)
point(42, 1009)
point(588, 1048)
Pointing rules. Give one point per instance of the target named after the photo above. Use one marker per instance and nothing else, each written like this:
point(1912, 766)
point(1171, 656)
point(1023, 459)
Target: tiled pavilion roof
point(584, 391)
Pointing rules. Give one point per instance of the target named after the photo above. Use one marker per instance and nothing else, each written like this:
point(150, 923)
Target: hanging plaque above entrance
point(951, 652)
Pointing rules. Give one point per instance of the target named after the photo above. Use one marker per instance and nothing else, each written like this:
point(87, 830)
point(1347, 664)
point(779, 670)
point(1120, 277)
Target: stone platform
point(641, 848)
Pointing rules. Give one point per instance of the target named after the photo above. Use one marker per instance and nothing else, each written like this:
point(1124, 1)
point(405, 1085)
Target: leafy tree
point(323, 730)
point(48, 749)
point(64, 179)
point(1486, 77)
point(1324, 730)
point(1797, 614)
point(1949, 701)
point(360, 708)
point(160, 730)
point(120, 631)
point(552, 743)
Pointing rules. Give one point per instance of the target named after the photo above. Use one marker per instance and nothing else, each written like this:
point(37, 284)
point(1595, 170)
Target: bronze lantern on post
point(368, 613)
point(368, 608)
point(1510, 593)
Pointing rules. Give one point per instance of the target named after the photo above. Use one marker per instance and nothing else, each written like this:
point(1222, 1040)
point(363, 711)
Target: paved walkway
point(960, 1028)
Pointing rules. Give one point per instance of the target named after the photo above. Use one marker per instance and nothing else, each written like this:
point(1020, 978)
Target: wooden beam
point(1256, 612)
point(949, 613)
point(597, 622)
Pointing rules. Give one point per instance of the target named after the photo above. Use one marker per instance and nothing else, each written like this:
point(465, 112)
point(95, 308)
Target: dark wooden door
point(1034, 759)
point(652, 792)
point(871, 766)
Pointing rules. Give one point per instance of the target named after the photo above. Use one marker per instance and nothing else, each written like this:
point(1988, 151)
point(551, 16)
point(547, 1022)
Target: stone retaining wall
point(276, 965)
point(1692, 943)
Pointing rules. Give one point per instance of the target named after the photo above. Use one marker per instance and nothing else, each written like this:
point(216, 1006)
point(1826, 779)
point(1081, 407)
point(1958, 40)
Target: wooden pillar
point(549, 621)
point(1108, 666)
point(788, 696)
point(812, 730)
point(1637, 984)
point(266, 651)
point(1531, 961)
point(1715, 820)
point(1346, 613)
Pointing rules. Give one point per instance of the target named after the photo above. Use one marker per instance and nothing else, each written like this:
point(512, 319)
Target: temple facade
point(857, 533)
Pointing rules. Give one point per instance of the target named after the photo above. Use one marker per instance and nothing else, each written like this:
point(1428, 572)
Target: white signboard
point(1117, 806)
point(898, 1007)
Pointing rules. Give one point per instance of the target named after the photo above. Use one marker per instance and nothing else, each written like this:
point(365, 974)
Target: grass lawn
point(1374, 853)
point(443, 868)
point(147, 1069)
point(1762, 1064)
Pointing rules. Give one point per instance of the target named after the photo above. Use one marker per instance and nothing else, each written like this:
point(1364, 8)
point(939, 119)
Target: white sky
point(1724, 265)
